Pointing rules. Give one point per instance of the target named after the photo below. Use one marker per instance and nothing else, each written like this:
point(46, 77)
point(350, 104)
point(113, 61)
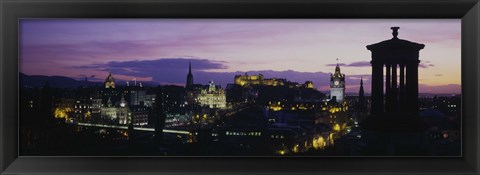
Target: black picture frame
point(12, 10)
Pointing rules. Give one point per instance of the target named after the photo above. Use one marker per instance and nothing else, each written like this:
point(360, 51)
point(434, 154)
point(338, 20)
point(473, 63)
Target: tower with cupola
point(109, 82)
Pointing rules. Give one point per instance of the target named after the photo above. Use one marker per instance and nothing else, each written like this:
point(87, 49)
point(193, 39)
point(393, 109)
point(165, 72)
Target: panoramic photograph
point(240, 87)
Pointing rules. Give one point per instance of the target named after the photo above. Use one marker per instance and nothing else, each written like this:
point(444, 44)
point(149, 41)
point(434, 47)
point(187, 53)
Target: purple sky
point(297, 49)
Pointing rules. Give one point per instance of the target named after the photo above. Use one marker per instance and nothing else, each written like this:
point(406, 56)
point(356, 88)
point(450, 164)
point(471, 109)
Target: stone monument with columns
point(400, 59)
point(394, 126)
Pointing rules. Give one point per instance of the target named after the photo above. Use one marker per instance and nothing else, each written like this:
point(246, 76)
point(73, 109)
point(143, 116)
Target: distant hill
point(63, 82)
point(54, 81)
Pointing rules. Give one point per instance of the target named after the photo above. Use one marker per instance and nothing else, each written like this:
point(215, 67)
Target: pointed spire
point(211, 86)
point(361, 97)
point(189, 67)
point(189, 83)
point(109, 102)
point(123, 102)
point(337, 69)
point(361, 91)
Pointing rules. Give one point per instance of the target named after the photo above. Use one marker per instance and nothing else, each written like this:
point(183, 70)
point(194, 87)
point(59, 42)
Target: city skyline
point(245, 109)
point(298, 50)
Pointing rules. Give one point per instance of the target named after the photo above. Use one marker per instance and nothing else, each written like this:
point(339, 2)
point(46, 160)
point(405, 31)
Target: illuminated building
point(337, 85)
point(139, 115)
point(109, 81)
point(137, 97)
point(249, 80)
point(212, 97)
point(120, 113)
point(283, 139)
point(308, 84)
point(240, 138)
point(173, 120)
point(109, 111)
point(189, 83)
point(276, 105)
point(109, 92)
point(274, 82)
point(95, 107)
point(64, 109)
point(245, 80)
point(124, 114)
point(82, 109)
point(140, 97)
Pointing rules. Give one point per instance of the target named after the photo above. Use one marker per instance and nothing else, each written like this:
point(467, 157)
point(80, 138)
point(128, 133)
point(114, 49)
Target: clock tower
point(337, 85)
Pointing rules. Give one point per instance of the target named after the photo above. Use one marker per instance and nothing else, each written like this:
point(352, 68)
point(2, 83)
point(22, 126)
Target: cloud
point(82, 77)
point(340, 64)
point(165, 70)
point(365, 77)
point(353, 64)
point(161, 67)
point(425, 64)
point(359, 64)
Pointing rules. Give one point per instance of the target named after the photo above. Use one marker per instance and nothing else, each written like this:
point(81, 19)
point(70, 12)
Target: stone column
point(401, 96)
point(377, 89)
point(388, 88)
point(412, 87)
point(415, 87)
point(394, 92)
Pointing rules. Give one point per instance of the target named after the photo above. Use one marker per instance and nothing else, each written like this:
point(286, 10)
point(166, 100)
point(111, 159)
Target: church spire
point(189, 67)
point(361, 92)
point(189, 83)
point(361, 98)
